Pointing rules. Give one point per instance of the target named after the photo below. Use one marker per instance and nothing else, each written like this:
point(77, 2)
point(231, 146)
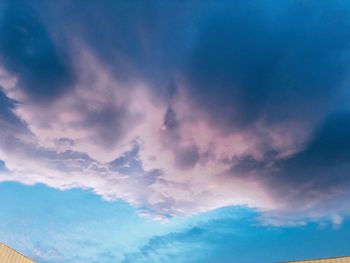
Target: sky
point(175, 131)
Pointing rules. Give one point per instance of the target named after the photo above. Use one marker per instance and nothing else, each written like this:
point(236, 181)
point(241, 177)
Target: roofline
point(305, 260)
point(1, 243)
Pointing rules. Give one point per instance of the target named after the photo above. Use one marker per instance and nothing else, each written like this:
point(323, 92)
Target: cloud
point(6, 106)
point(3, 167)
point(180, 108)
point(28, 51)
point(174, 246)
point(230, 236)
point(255, 63)
point(133, 152)
point(312, 182)
point(321, 170)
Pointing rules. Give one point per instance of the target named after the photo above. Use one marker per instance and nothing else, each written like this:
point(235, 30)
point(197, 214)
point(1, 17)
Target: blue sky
point(175, 131)
point(77, 226)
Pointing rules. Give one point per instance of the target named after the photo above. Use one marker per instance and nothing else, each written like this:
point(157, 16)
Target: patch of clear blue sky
point(78, 226)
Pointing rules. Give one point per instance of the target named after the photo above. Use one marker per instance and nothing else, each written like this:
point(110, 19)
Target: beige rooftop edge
point(9, 255)
point(325, 260)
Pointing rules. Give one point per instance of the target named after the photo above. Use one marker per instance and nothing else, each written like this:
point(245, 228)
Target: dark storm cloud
point(318, 172)
point(185, 155)
point(136, 39)
point(247, 164)
point(241, 63)
point(170, 120)
point(289, 62)
point(28, 51)
point(322, 168)
point(130, 164)
point(253, 63)
point(6, 107)
point(109, 123)
point(8, 119)
point(114, 30)
point(244, 60)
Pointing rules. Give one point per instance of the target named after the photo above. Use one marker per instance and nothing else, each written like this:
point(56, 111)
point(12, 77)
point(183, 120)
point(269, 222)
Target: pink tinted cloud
point(101, 119)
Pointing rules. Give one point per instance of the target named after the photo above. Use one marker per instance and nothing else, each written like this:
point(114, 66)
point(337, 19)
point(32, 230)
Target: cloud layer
point(180, 108)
